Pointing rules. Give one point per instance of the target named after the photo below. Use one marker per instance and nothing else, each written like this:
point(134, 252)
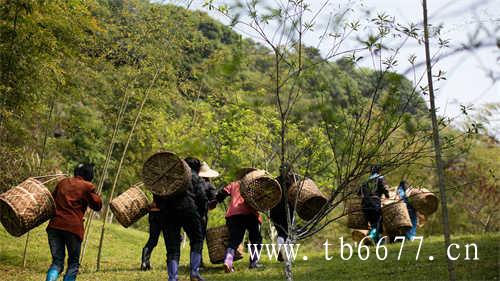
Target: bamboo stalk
point(101, 240)
point(437, 145)
point(42, 157)
point(105, 168)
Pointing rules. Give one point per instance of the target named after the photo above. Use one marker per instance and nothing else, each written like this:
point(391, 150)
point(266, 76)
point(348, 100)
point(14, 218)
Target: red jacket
point(72, 196)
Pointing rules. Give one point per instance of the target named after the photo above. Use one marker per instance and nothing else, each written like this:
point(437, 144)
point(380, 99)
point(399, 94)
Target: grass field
point(121, 257)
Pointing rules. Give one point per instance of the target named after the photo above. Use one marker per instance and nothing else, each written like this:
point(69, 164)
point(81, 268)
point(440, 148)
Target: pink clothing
point(238, 206)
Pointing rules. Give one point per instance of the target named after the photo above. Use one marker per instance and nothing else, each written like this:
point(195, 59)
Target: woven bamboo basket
point(260, 190)
point(396, 219)
point(309, 201)
point(217, 243)
point(359, 234)
point(166, 174)
point(25, 207)
point(355, 217)
point(129, 206)
point(423, 200)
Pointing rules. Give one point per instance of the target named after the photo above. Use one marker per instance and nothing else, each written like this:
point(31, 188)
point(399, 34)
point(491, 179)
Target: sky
point(467, 82)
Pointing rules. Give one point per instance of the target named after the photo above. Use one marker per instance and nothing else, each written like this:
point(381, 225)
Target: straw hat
point(243, 172)
point(206, 172)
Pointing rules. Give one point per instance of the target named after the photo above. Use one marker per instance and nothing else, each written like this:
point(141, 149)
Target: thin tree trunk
point(137, 117)
point(42, 158)
point(437, 145)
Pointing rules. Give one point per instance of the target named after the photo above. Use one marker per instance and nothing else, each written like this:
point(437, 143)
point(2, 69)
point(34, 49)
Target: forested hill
point(67, 67)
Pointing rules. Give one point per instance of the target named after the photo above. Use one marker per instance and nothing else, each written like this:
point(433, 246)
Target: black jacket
point(372, 190)
point(278, 213)
point(194, 198)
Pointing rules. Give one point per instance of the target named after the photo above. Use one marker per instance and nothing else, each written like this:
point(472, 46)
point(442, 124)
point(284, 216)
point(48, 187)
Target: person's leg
point(154, 234)
point(236, 234)
point(410, 234)
point(282, 231)
point(192, 225)
point(172, 229)
point(73, 244)
point(204, 235)
point(253, 227)
point(56, 245)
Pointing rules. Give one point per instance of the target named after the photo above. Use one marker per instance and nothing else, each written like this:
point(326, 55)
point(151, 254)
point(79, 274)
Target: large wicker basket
point(309, 201)
point(359, 234)
point(395, 216)
point(355, 216)
point(25, 207)
point(423, 200)
point(166, 174)
point(260, 190)
point(129, 206)
point(217, 243)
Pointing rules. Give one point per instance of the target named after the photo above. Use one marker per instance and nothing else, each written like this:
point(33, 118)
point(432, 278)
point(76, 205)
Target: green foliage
point(212, 96)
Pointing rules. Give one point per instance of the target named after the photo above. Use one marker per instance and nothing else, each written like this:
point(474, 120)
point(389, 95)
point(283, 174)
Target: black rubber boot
point(146, 256)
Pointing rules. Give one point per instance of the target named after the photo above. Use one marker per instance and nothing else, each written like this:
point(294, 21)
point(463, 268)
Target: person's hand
point(212, 204)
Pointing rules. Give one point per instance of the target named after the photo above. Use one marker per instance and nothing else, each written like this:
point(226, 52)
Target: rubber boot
point(228, 260)
point(254, 262)
point(195, 259)
point(69, 278)
point(281, 246)
point(52, 274)
point(373, 234)
point(145, 259)
point(172, 269)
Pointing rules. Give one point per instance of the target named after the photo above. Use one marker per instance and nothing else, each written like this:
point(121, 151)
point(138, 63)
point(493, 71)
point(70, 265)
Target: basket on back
point(423, 200)
point(260, 190)
point(166, 174)
point(309, 198)
point(129, 206)
point(217, 243)
point(395, 216)
point(359, 234)
point(26, 206)
point(355, 216)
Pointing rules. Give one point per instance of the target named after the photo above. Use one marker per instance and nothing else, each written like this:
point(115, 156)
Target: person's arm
point(382, 186)
point(221, 195)
point(94, 200)
point(201, 196)
point(210, 191)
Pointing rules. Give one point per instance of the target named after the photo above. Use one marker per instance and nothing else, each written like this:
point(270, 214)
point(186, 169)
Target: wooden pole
point(42, 157)
point(137, 117)
point(437, 145)
point(105, 168)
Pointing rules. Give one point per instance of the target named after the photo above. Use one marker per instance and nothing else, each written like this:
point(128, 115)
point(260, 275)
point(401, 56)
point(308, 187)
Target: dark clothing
point(211, 194)
point(59, 241)
point(183, 211)
point(155, 229)
point(193, 198)
point(190, 221)
point(72, 196)
point(278, 213)
point(371, 191)
point(238, 224)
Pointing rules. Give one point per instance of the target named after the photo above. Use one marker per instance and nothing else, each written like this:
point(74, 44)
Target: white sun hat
point(206, 172)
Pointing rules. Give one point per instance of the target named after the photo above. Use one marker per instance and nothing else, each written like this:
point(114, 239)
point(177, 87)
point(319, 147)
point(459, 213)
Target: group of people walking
point(371, 192)
point(189, 211)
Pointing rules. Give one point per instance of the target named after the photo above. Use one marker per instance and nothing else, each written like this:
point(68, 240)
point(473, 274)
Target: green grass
point(122, 250)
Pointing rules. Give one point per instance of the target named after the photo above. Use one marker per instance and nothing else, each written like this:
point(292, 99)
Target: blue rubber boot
point(373, 234)
point(195, 267)
point(172, 269)
point(52, 274)
point(69, 278)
